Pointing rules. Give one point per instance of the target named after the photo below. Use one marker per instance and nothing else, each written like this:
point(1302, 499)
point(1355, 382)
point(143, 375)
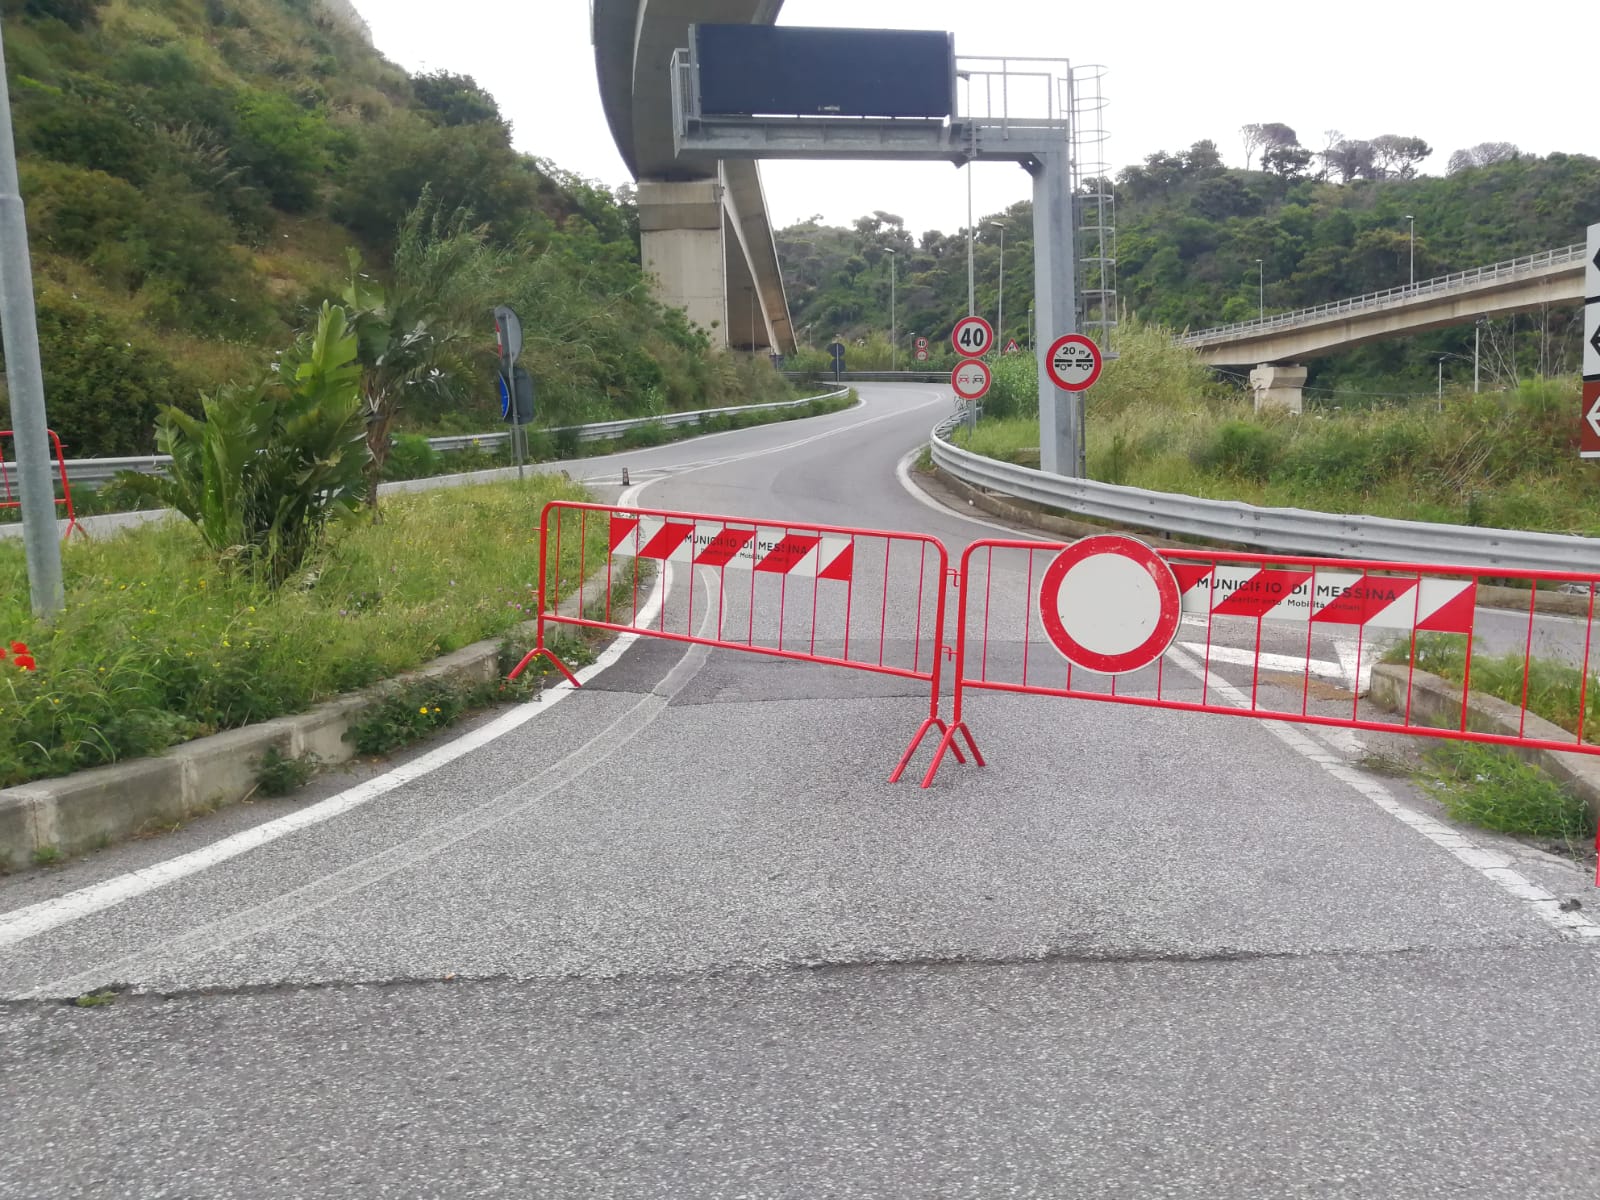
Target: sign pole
point(1589, 413)
point(25, 378)
point(1055, 284)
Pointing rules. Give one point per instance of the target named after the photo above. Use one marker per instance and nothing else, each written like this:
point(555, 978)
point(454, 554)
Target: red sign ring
point(1168, 618)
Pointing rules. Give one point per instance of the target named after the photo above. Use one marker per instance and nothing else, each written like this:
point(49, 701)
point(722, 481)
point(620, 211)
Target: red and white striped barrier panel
point(1267, 636)
point(866, 599)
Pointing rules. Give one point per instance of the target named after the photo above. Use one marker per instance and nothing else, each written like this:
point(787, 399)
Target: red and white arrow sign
point(1328, 597)
point(1589, 420)
point(715, 544)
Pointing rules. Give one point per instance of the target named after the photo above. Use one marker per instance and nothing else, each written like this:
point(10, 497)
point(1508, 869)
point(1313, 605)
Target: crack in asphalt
point(112, 993)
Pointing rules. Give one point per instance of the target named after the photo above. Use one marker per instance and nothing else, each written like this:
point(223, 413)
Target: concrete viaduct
point(1279, 341)
point(704, 231)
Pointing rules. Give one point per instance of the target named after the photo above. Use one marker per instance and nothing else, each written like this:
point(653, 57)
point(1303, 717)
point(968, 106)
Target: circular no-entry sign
point(1109, 603)
point(971, 379)
point(972, 337)
point(1073, 362)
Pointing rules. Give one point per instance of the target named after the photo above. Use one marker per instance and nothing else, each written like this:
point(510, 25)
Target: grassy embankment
point(1159, 420)
point(159, 644)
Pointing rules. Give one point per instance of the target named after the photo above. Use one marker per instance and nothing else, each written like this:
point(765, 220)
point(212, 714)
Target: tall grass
point(1553, 690)
point(157, 644)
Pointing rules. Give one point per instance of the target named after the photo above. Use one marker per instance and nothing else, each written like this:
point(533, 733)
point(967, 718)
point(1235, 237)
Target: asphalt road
point(674, 935)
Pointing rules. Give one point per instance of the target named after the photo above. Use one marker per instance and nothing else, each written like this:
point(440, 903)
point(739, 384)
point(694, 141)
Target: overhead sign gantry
point(796, 93)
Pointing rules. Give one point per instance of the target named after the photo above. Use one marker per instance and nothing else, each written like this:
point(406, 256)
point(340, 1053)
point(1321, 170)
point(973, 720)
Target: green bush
point(104, 387)
point(411, 457)
point(267, 467)
point(1241, 449)
point(281, 147)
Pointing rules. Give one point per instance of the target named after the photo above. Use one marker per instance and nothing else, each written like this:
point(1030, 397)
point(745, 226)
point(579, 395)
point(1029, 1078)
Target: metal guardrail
point(1283, 530)
point(1510, 269)
point(870, 376)
point(95, 472)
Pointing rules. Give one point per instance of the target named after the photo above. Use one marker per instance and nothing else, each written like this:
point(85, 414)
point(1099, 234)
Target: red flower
point(19, 647)
point(25, 661)
point(2, 654)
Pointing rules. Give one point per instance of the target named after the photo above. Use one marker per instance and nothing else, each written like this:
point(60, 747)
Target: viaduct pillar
point(1275, 386)
point(681, 244)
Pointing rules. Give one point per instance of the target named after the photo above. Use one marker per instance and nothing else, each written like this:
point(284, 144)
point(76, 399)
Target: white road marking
point(1292, 663)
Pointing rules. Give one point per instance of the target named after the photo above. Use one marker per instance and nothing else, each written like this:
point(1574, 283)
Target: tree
point(1202, 157)
point(1397, 157)
point(1351, 159)
point(413, 334)
point(1482, 155)
point(1288, 161)
point(1276, 136)
point(457, 100)
point(1252, 142)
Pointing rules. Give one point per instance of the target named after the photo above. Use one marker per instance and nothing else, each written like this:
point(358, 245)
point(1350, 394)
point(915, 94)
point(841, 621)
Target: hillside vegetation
point(1190, 231)
point(196, 173)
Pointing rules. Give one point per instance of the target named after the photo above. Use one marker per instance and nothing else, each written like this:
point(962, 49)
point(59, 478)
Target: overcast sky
point(1453, 74)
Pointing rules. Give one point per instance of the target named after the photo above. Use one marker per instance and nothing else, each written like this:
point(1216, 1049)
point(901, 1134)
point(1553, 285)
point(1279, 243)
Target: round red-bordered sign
point(1111, 604)
point(971, 379)
point(972, 337)
point(1074, 362)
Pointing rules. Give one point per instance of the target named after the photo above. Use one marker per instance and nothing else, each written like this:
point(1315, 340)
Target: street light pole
point(1477, 332)
point(1000, 317)
point(1411, 222)
point(1261, 291)
point(1441, 385)
point(894, 344)
point(19, 328)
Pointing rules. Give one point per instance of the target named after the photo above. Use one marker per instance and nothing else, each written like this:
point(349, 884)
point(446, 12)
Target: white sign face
point(970, 380)
point(972, 337)
point(1591, 270)
point(1591, 340)
point(1109, 603)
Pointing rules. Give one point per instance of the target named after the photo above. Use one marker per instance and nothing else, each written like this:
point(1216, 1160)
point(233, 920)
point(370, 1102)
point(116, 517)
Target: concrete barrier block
point(221, 769)
point(1437, 701)
point(321, 731)
point(18, 835)
point(477, 663)
point(106, 804)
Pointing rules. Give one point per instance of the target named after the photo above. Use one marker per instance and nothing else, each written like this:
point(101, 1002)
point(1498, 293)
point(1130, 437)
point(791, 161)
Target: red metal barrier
point(9, 499)
point(866, 599)
point(1298, 636)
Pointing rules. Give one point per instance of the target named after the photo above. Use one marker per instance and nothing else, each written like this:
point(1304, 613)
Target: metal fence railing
point(1512, 268)
point(1281, 530)
point(95, 472)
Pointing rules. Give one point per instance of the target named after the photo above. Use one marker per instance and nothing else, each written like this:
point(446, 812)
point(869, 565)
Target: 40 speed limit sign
point(972, 337)
point(1073, 362)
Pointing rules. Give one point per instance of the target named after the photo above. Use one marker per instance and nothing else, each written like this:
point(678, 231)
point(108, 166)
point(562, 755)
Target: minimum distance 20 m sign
point(1073, 362)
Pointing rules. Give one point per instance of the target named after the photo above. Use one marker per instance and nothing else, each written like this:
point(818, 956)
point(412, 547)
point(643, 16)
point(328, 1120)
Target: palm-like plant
point(414, 334)
point(266, 467)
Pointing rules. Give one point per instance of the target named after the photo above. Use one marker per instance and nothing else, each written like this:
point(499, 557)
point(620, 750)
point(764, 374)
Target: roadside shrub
point(265, 469)
point(411, 457)
point(1015, 392)
point(1239, 448)
point(104, 385)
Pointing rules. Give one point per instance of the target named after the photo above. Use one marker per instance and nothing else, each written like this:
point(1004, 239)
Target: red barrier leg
point(535, 653)
point(922, 732)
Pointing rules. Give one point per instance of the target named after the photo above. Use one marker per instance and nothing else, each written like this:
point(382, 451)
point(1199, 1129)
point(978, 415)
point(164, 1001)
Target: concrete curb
point(1437, 700)
point(1550, 603)
point(91, 809)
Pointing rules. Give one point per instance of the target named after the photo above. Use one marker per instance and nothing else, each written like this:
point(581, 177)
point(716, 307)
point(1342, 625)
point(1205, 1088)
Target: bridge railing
point(1510, 269)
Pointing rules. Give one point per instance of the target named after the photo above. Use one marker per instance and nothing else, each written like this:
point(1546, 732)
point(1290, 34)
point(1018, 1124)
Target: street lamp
point(966, 77)
point(1411, 223)
point(894, 345)
point(1261, 291)
point(1000, 317)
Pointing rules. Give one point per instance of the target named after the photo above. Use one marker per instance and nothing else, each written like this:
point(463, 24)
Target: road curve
point(676, 937)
